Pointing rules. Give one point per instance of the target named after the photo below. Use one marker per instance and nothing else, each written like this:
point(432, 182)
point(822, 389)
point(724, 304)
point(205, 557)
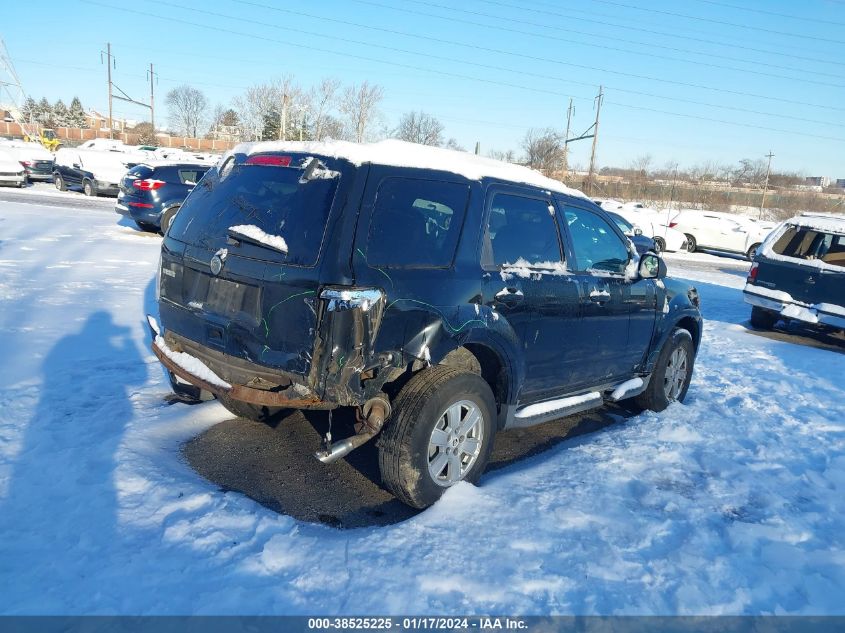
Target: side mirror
point(652, 267)
point(77, 166)
point(638, 230)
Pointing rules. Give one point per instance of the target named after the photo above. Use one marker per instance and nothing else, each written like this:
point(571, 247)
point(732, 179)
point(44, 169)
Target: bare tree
point(452, 143)
point(359, 106)
point(543, 150)
point(419, 127)
point(281, 98)
point(322, 99)
point(508, 156)
point(188, 108)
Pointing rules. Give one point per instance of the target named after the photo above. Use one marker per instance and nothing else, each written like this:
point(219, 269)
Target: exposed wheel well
point(689, 324)
point(492, 370)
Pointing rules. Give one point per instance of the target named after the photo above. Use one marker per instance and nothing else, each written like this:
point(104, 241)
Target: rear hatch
point(806, 263)
point(263, 219)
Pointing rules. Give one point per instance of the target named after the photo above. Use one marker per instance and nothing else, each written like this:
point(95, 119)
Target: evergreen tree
point(60, 114)
point(76, 114)
point(272, 126)
point(43, 113)
point(28, 110)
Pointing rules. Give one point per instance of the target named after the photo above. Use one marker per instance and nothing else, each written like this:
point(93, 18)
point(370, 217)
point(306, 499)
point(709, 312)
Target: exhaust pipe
point(376, 411)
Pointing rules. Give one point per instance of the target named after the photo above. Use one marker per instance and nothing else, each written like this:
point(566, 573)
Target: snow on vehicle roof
point(403, 154)
point(164, 162)
point(825, 223)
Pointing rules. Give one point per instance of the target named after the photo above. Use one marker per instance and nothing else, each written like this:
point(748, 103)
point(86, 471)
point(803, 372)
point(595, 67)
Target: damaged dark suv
point(443, 296)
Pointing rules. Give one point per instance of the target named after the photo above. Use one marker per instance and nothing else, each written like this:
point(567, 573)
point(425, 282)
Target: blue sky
point(693, 81)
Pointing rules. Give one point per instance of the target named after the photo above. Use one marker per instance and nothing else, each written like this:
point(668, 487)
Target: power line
point(790, 16)
point(505, 52)
point(520, 71)
point(652, 45)
point(721, 22)
point(347, 54)
point(523, 72)
point(600, 22)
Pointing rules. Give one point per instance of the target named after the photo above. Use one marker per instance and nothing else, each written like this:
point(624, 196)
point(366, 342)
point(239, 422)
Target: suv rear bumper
point(783, 304)
point(293, 395)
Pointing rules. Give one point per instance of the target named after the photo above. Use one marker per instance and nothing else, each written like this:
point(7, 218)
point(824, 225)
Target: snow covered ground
point(729, 504)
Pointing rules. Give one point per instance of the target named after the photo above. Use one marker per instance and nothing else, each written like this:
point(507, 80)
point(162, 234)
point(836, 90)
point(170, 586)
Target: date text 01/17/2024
point(419, 623)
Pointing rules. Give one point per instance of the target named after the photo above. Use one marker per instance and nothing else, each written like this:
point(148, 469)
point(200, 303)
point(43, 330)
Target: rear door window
point(416, 223)
point(522, 228)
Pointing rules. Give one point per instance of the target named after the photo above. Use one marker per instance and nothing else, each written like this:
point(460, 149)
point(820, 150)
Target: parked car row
point(36, 161)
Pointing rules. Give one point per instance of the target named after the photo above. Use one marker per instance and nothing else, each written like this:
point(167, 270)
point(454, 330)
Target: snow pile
point(403, 154)
point(257, 234)
point(523, 269)
point(191, 364)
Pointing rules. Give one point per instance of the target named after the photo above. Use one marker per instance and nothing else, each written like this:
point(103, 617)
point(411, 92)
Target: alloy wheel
point(455, 443)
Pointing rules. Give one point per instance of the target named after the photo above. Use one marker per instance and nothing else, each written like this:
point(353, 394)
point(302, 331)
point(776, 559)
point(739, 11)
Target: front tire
point(89, 189)
point(672, 373)
point(692, 245)
point(60, 183)
point(659, 245)
point(441, 432)
point(762, 319)
point(254, 412)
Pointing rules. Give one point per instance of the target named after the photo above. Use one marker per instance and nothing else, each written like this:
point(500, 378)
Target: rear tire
point(762, 319)
point(60, 183)
point(254, 412)
point(167, 219)
point(691, 244)
point(441, 432)
point(672, 373)
point(752, 251)
point(88, 188)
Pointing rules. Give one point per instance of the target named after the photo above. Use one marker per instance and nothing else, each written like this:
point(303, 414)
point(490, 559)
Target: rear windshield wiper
point(256, 236)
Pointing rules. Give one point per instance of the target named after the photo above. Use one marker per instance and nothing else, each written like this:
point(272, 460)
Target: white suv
point(719, 231)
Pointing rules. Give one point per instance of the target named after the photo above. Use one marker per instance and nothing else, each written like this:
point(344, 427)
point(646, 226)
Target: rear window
point(416, 223)
point(191, 176)
point(805, 243)
point(270, 198)
point(140, 171)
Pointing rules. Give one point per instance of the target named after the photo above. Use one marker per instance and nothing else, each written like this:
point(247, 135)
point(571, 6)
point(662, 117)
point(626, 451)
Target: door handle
point(510, 296)
point(599, 296)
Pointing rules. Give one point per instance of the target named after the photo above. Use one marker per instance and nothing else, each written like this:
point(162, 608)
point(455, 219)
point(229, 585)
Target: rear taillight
point(141, 205)
point(752, 274)
point(273, 160)
point(148, 184)
point(26, 163)
point(672, 225)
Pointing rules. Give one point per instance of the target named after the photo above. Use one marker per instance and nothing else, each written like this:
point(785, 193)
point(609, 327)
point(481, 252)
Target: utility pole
point(302, 127)
point(108, 67)
point(566, 139)
point(591, 175)
point(283, 133)
point(152, 101)
point(770, 156)
point(477, 148)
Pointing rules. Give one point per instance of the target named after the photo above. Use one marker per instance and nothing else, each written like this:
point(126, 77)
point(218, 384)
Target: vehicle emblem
point(216, 265)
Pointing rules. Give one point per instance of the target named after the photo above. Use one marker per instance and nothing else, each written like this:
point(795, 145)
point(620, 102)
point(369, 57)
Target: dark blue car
point(152, 193)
